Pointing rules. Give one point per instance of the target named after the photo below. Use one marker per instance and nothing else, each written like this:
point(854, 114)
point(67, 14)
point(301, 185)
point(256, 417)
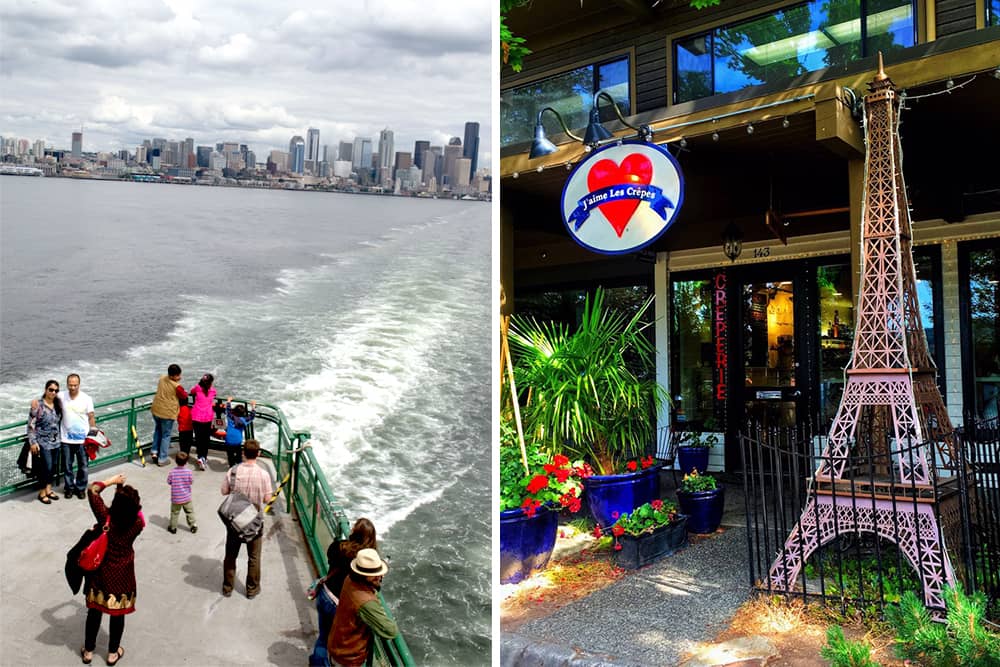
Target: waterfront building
point(755, 279)
point(342, 168)
point(385, 156)
point(77, 144)
point(296, 155)
point(280, 161)
point(418, 152)
point(38, 152)
point(140, 154)
point(403, 160)
point(471, 147)
point(217, 161)
point(345, 151)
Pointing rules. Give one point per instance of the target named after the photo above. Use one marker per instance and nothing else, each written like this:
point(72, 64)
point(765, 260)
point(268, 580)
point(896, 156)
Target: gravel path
point(653, 617)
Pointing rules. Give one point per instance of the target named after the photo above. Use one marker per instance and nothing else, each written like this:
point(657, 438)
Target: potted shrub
point(693, 449)
point(651, 531)
point(529, 508)
point(703, 500)
point(592, 393)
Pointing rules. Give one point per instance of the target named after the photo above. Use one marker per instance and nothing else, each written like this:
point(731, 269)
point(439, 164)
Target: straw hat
point(368, 563)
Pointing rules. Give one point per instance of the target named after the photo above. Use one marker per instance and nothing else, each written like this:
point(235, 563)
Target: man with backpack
point(254, 482)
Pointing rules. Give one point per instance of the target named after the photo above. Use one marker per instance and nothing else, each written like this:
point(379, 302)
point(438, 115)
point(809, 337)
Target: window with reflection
point(837, 322)
point(993, 12)
point(692, 355)
point(790, 42)
point(984, 326)
point(570, 93)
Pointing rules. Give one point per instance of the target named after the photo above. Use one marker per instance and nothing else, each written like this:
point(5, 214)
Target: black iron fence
point(860, 538)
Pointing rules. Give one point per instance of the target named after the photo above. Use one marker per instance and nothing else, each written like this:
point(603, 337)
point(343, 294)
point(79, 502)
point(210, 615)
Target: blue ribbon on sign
point(647, 193)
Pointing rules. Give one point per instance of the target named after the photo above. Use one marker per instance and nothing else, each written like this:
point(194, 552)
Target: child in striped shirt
point(180, 480)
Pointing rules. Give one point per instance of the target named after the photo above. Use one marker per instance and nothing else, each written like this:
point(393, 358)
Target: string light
point(715, 136)
point(785, 123)
point(749, 128)
point(515, 175)
point(683, 142)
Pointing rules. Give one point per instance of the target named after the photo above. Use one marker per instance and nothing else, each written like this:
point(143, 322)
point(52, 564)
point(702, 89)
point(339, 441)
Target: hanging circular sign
point(622, 197)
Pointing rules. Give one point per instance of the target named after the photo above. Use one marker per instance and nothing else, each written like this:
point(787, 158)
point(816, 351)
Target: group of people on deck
point(59, 424)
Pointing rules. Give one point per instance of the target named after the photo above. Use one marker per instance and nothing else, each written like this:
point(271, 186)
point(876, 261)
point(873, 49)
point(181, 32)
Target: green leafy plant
point(695, 483)
point(698, 439)
point(961, 640)
point(512, 49)
point(550, 480)
point(646, 518)
point(842, 652)
point(592, 392)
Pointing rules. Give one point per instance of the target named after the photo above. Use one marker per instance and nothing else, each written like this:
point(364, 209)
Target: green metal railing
point(307, 494)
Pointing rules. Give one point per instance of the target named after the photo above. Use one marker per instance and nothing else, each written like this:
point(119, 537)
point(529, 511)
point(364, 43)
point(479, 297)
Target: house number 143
point(761, 252)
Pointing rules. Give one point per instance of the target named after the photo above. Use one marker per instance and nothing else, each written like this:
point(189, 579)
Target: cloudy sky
point(249, 71)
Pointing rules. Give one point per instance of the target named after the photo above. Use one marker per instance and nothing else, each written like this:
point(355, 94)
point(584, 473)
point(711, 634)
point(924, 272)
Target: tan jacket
point(165, 404)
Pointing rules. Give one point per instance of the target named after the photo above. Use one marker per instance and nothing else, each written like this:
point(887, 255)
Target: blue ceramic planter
point(643, 550)
point(609, 496)
point(692, 457)
point(704, 509)
point(526, 543)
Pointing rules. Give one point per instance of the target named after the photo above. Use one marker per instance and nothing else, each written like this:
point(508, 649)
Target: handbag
point(28, 462)
point(92, 555)
point(239, 514)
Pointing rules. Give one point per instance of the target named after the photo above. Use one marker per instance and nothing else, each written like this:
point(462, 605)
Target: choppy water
point(366, 319)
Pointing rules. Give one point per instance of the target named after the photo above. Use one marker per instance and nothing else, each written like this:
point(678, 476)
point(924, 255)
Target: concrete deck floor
point(181, 617)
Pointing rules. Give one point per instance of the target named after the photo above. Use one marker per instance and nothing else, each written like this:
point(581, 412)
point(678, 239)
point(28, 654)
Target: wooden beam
point(636, 8)
point(836, 128)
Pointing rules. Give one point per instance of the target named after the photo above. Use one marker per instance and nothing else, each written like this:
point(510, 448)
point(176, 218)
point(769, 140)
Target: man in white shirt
point(77, 421)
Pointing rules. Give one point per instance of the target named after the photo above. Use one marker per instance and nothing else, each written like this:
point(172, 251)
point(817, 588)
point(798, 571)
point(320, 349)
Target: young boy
point(237, 419)
point(180, 480)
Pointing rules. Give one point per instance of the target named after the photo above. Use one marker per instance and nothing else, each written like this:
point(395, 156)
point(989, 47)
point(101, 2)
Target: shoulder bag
point(239, 514)
point(92, 555)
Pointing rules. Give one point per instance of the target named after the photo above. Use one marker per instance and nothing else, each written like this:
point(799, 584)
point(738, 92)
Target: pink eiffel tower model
point(891, 401)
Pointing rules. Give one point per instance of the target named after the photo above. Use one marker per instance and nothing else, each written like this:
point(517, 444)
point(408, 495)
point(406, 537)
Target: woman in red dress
point(111, 588)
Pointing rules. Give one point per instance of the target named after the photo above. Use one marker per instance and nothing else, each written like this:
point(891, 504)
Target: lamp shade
point(596, 132)
point(540, 145)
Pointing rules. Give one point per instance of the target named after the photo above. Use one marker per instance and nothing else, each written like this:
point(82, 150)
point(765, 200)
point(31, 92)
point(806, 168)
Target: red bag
point(92, 554)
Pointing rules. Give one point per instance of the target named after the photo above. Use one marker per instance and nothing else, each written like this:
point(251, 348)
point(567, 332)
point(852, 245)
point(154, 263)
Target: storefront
point(755, 282)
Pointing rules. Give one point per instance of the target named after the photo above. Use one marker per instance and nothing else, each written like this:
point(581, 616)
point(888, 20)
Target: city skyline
point(258, 76)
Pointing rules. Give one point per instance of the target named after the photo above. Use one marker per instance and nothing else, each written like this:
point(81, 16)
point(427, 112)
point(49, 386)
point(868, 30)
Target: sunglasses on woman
point(52, 389)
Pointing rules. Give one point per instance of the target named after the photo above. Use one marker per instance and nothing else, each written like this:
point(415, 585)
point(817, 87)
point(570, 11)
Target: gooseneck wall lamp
point(595, 134)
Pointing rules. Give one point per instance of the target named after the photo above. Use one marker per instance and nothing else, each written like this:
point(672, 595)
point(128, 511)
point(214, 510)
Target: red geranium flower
point(632, 466)
point(562, 474)
point(530, 506)
point(597, 531)
point(617, 530)
point(537, 483)
point(648, 461)
point(618, 547)
point(656, 504)
point(560, 460)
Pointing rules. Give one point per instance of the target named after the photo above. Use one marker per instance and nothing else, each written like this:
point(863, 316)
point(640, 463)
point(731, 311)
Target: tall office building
point(362, 158)
point(403, 161)
point(296, 155)
point(385, 156)
point(187, 150)
point(418, 152)
point(452, 152)
point(312, 150)
point(39, 150)
point(471, 145)
point(346, 152)
point(77, 144)
point(203, 153)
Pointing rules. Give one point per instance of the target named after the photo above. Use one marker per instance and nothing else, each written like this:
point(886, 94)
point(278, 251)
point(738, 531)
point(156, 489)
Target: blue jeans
point(326, 608)
point(161, 437)
point(51, 459)
point(71, 452)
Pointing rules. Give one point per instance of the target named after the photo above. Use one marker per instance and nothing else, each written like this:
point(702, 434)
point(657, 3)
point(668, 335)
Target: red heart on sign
point(635, 169)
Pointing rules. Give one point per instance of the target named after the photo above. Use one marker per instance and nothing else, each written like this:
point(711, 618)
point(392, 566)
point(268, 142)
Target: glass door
point(769, 353)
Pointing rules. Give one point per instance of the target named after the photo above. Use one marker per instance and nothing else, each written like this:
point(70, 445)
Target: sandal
point(44, 499)
point(86, 656)
point(120, 654)
point(53, 496)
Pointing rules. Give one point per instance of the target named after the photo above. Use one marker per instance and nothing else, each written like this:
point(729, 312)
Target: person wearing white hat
point(360, 613)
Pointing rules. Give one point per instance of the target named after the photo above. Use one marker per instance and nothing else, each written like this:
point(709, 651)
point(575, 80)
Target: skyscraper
point(385, 155)
point(452, 152)
point(418, 152)
point(471, 145)
point(296, 155)
point(312, 149)
point(77, 144)
point(204, 154)
point(345, 152)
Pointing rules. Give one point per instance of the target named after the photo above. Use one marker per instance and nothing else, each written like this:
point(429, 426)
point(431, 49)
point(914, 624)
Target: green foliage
point(855, 578)
point(512, 48)
point(646, 518)
point(702, 4)
point(961, 640)
point(842, 652)
point(593, 391)
point(698, 439)
point(695, 483)
point(550, 480)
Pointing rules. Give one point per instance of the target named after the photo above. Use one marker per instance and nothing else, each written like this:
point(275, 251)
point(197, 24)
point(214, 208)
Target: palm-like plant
point(592, 392)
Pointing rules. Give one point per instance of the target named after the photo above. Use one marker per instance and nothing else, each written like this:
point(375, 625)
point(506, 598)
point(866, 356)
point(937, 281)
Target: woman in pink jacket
point(202, 414)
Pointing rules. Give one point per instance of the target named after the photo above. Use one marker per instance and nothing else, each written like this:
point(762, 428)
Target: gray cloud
point(240, 70)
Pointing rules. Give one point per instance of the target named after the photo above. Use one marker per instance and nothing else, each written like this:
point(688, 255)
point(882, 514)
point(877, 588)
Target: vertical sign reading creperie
point(721, 337)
